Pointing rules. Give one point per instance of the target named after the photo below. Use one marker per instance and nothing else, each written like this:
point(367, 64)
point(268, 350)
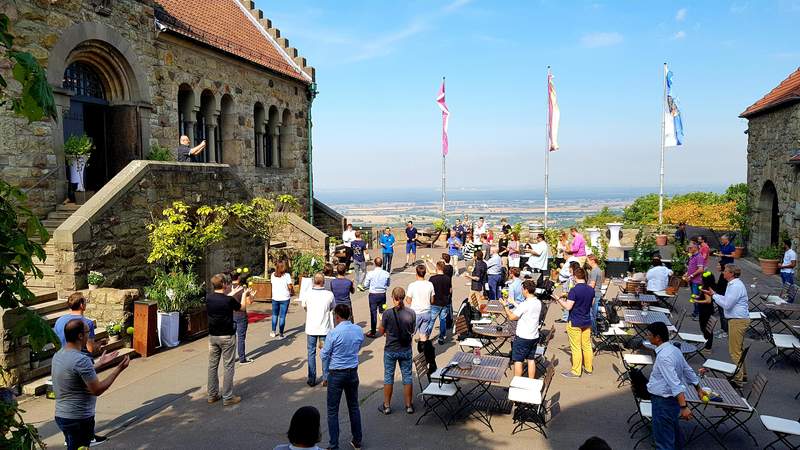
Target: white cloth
point(734, 303)
point(658, 278)
point(528, 313)
point(280, 287)
point(348, 236)
point(788, 257)
point(421, 294)
point(318, 305)
point(564, 274)
point(539, 262)
point(477, 232)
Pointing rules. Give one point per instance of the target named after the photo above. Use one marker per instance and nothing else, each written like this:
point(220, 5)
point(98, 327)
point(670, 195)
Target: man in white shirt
point(318, 305)
point(348, 236)
point(789, 263)
point(540, 252)
point(735, 307)
point(419, 296)
point(658, 276)
point(480, 228)
point(523, 348)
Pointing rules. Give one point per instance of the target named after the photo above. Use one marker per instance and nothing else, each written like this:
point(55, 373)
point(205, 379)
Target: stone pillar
point(276, 139)
point(614, 229)
point(188, 130)
point(211, 148)
point(259, 150)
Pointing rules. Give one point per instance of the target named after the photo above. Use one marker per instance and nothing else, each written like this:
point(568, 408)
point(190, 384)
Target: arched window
point(226, 127)
point(258, 137)
point(84, 81)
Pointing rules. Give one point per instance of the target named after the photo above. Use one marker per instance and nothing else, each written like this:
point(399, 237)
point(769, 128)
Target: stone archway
point(767, 227)
point(126, 110)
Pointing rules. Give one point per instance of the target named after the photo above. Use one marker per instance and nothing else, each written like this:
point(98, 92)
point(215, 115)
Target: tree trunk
point(266, 258)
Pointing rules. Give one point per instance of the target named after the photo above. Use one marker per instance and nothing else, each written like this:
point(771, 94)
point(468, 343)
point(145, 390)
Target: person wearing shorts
point(420, 296)
point(411, 243)
point(398, 325)
point(527, 313)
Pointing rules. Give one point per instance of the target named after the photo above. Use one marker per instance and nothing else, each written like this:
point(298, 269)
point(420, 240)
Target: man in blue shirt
point(77, 308)
point(387, 242)
point(669, 379)
point(454, 249)
point(377, 283)
point(726, 250)
point(341, 353)
point(411, 243)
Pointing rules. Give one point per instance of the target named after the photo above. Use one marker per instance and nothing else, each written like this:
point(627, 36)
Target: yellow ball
point(238, 270)
point(245, 270)
point(705, 399)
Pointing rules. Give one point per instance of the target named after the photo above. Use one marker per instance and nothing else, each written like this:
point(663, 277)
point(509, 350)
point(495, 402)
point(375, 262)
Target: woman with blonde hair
point(513, 250)
point(282, 291)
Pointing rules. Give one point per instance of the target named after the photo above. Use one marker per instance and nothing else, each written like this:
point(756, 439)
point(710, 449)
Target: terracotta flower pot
point(768, 266)
point(263, 290)
point(738, 252)
point(661, 240)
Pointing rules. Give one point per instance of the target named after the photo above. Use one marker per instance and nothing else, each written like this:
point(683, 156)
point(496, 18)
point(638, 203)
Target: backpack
point(639, 383)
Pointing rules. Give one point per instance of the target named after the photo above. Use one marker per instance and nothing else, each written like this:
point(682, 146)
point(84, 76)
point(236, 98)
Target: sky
point(380, 64)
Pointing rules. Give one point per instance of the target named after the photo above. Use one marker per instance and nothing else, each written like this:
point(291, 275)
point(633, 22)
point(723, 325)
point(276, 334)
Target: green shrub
point(159, 153)
point(771, 252)
point(176, 291)
point(78, 145)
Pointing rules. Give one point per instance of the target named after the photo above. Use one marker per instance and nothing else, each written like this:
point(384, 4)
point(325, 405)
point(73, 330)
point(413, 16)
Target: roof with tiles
point(786, 92)
point(229, 26)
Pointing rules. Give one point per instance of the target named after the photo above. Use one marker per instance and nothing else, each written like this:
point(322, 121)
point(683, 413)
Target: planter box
point(661, 240)
point(738, 253)
point(169, 328)
point(263, 290)
point(194, 324)
point(768, 266)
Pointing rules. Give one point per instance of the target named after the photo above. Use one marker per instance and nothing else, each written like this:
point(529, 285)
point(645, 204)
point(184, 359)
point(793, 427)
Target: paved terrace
point(160, 402)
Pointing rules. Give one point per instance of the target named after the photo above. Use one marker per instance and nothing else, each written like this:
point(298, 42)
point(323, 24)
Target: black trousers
point(706, 311)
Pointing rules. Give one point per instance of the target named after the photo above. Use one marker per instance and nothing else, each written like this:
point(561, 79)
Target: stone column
point(211, 148)
point(259, 150)
point(188, 130)
point(276, 139)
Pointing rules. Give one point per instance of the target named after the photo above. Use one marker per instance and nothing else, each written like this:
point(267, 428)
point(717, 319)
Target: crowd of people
point(496, 267)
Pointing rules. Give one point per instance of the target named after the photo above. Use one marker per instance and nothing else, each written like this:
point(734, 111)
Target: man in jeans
point(494, 270)
point(359, 247)
point(318, 305)
point(341, 353)
point(596, 283)
point(76, 385)
point(442, 300)
point(237, 291)
point(694, 273)
point(398, 325)
point(671, 374)
point(221, 341)
point(377, 283)
point(789, 263)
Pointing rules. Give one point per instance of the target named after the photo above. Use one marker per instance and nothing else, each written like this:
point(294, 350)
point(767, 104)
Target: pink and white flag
point(445, 118)
point(553, 115)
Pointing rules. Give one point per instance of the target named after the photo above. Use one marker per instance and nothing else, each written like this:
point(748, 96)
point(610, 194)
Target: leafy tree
point(35, 100)
point(599, 219)
point(263, 218)
point(643, 210)
point(180, 239)
point(740, 219)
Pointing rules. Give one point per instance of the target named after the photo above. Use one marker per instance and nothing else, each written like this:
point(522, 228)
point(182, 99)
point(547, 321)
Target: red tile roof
point(225, 25)
point(786, 92)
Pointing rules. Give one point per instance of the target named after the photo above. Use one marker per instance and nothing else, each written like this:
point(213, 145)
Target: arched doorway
point(98, 82)
point(767, 231)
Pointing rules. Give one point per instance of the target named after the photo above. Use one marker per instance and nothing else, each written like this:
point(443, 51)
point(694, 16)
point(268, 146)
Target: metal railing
point(47, 175)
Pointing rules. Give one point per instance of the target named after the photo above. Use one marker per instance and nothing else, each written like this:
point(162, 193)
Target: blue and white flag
point(673, 126)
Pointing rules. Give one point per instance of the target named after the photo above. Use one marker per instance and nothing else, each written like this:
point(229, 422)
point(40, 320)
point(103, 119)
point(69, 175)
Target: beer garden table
point(639, 319)
point(490, 371)
point(491, 334)
point(634, 298)
point(730, 401)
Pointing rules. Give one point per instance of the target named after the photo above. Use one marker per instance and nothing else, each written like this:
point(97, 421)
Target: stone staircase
point(50, 308)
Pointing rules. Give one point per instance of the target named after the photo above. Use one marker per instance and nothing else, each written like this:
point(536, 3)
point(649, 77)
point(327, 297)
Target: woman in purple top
point(694, 272)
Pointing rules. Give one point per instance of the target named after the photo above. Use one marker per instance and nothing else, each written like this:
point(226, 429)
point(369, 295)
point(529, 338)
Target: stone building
point(773, 163)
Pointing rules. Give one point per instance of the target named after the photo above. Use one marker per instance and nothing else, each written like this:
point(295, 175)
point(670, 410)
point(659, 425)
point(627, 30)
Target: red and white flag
point(553, 115)
point(445, 118)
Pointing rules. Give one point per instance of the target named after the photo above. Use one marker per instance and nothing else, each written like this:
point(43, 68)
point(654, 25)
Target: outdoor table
point(785, 309)
point(495, 308)
point(493, 338)
point(490, 371)
point(731, 401)
point(633, 298)
point(640, 319)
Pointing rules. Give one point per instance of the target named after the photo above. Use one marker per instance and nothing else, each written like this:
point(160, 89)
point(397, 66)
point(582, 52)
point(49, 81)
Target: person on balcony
point(184, 153)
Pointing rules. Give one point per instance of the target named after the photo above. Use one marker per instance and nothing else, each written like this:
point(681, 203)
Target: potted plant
point(738, 242)
point(261, 286)
point(175, 293)
point(77, 150)
point(95, 279)
point(661, 236)
point(114, 330)
point(641, 255)
point(680, 261)
point(768, 258)
point(305, 265)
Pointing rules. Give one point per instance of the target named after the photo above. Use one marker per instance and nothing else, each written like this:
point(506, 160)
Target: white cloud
point(606, 39)
point(680, 15)
point(679, 35)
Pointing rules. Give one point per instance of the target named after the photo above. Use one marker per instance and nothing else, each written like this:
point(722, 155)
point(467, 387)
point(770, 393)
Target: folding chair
point(785, 345)
point(692, 345)
point(674, 329)
point(530, 412)
point(741, 416)
point(782, 428)
point(462, 329)
point(544, 341)
point(644, 409)
point(629, 361)
point(757, 318)
point(660, 309)
point(730, 370)
point(434, 395)
point(611, 339)
point(665, 297)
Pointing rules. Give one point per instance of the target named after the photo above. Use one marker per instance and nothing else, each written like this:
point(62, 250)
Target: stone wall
point(108, 233)
point(106, 305)
point(302, 236)
point(773, 138)
point(328, 220)
point(145, 71)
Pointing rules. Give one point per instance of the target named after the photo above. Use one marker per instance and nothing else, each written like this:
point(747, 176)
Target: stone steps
point(67, 207)
point(54, 220)
point(39, 385)
point(47, 307)
point(43, 295)
point(47, 282)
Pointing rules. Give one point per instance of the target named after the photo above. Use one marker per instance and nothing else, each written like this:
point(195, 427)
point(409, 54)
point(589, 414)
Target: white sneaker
point(272, 334)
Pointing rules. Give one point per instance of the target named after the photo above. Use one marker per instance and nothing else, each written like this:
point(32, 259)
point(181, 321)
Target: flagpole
point(663, 129)
point(444, 176)
point(547, 152)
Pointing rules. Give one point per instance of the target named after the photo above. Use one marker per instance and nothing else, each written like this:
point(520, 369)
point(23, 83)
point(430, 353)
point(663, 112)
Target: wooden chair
point(462, 329)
